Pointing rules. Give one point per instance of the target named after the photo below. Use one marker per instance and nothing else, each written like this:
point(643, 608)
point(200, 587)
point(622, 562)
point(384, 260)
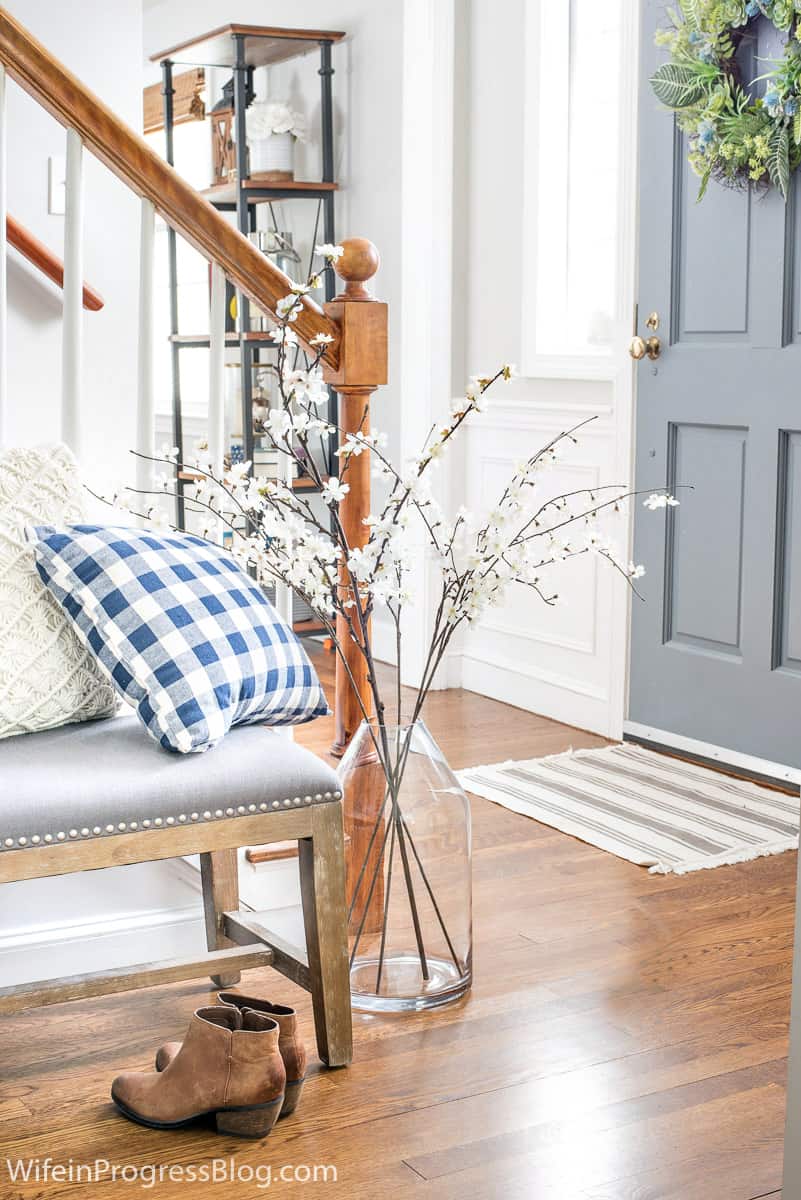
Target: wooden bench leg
point(322, 883)
point(219, 874)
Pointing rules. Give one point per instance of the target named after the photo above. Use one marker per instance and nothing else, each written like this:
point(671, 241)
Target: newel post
point(362, 368)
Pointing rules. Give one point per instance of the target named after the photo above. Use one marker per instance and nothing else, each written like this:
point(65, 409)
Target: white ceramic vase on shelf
point(273, 156)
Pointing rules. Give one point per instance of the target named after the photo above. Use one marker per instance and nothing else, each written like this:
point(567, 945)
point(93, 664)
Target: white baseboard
point(748, 763)
point(557, 697)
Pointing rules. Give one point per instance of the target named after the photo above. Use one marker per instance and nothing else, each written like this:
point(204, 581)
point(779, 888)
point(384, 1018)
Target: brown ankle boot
point(229, 1065)
point(290, 1045)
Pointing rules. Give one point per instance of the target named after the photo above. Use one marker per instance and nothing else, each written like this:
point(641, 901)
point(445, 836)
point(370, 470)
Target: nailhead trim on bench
point(37, 839)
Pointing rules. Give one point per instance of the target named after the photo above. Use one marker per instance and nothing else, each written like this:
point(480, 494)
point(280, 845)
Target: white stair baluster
point(72, 345)
point(145, 408)
point(3, 265)
point(283, 594)
point(217, 371)
point(216, 426)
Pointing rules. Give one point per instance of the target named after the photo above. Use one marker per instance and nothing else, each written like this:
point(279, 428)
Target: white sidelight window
point(577, 122)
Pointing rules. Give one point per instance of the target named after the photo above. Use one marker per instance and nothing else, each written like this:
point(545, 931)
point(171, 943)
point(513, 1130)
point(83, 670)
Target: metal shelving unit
point(242, 48)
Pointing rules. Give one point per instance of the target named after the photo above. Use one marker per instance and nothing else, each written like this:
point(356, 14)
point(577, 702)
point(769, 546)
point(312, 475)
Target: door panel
point(703, 592)
point(712, 251)
point(787, 617)
point(716, 646)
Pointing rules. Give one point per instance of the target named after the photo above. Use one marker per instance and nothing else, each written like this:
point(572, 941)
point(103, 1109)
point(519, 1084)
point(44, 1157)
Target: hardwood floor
point(625, 1038)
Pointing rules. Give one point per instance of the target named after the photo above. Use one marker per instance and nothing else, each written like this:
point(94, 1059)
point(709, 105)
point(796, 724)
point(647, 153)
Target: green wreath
point(733, 137)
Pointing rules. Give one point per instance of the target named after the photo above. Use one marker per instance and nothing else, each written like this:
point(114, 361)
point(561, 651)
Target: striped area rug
point(659, 812)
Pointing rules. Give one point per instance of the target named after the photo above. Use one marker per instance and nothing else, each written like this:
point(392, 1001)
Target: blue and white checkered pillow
point(186, 636)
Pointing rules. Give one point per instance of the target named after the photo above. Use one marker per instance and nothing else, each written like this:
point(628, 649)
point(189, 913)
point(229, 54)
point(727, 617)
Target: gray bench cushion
point(108, 777)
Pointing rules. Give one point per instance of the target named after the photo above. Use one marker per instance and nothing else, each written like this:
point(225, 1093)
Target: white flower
point(509, 372)
point(660, 500)
point(238, 472)
point(299, 421)
point(321, 339)
point(287, 307)
point(284, 336)
point(329, 251)
point(636, 570)
point(157, 518)
point(122, 500)
point(169, 452)
point(264, 118)
point(278, 423)
point(333, 491)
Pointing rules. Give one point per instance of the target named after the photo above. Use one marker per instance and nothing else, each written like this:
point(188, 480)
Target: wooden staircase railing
point(133, 161)
point(48, 263)
point(355, 361)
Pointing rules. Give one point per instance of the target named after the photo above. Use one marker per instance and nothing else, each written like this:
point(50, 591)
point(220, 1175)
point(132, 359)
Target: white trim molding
point(427, 148)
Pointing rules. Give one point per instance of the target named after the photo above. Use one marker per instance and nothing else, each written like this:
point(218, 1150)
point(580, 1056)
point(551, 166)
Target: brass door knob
point(640, 347)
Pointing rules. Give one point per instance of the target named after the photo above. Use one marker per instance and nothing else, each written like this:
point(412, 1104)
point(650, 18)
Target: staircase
point(355, 361)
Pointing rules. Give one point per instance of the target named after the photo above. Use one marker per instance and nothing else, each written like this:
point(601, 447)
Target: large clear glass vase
point(409, 871)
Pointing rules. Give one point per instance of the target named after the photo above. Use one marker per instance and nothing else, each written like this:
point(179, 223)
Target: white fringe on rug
point(658, 812)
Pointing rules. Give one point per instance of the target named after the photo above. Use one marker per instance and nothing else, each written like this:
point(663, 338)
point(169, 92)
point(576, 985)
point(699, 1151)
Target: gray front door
point(716, 647)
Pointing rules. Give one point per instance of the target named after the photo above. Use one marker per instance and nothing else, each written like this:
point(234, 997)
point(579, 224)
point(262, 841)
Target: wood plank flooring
point(625, 1038)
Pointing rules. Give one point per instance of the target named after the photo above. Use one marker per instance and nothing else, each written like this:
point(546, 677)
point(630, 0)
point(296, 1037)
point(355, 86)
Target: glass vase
point(409, 871)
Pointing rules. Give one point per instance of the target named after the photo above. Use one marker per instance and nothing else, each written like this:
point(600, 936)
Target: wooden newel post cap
point(359, 263)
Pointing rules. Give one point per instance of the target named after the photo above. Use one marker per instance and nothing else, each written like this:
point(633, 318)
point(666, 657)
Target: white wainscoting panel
point(555, 660)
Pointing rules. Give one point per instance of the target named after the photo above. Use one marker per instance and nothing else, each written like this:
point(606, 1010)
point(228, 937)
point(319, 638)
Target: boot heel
point(255, 1122)
point(292, 1096)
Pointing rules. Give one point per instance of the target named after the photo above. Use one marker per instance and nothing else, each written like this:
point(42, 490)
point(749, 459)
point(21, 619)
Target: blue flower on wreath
point(752, 9)
point(706, 53)
point(791, 106)
point(773, 102)
point(706, 133)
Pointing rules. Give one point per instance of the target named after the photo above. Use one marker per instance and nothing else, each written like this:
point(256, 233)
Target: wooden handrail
point(133, 161)
point(48, 263)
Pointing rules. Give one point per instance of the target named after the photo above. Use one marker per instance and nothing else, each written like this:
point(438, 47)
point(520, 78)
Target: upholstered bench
point(103, 794)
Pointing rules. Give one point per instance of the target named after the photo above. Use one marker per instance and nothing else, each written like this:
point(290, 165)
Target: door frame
point(625, 383)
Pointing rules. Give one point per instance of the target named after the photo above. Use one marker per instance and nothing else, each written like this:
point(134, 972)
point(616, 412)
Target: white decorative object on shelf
point(47, 678)
point(273, 128)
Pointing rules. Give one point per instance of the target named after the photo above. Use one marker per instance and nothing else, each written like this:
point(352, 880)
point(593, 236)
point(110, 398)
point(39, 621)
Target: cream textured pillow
point(47, 678)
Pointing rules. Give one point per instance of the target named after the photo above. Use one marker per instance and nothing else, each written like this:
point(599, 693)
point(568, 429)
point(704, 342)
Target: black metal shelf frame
point(245, 209)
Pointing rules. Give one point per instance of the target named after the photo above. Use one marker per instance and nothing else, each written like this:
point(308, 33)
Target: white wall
point(101, 43)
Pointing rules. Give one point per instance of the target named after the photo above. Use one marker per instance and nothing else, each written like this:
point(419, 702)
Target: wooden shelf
point(231, 339)
point(264, 45)
point(260, 192)
point(302, 484)
point(305, 628)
